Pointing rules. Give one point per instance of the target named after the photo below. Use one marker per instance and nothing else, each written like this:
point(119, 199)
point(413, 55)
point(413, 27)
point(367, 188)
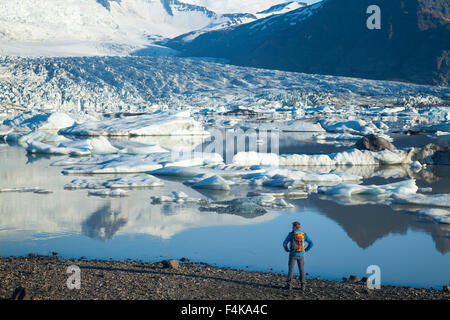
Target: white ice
point(214, 182)
point(438, 215)
point(407, 187)
point(137, 181)
point(349, 157)
point(157, 124)
point(433, 200)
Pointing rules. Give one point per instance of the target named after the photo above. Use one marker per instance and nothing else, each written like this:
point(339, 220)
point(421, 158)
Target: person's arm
point(310, 243)
point(286, 241)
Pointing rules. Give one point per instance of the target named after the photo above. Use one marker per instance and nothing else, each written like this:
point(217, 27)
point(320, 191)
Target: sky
point(239, 6)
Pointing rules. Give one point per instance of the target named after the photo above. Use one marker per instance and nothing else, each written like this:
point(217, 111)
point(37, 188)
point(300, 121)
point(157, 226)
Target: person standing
point(295, 245)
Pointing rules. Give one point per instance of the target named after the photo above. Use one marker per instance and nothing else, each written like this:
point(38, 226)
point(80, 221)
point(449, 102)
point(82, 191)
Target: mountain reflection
point(366, 223)
point(103, 224)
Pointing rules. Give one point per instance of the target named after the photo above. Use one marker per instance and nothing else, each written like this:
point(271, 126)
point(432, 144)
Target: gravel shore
point(45, 277)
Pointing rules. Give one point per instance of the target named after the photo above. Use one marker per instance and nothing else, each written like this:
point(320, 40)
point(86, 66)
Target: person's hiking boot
point(288, 287)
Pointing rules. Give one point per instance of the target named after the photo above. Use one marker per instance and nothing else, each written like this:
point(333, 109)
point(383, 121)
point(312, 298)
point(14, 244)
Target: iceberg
point(144, 163)
point(287, 177)
point(108, 193)
point(407, 187)
point(438, 215)
point(157, 124)
point(40, 147)
point(29, 121)
point(350, 157)
point(101, 145)
point(214, 182)
point(432, 200)
point(138, 181)
point(359, 126)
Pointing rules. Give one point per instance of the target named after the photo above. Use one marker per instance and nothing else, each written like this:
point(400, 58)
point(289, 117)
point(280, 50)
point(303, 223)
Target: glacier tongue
point(146, 84)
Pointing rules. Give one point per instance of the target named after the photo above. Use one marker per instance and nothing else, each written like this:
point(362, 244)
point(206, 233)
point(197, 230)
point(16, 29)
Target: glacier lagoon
point(350, 234)
point(319, 119)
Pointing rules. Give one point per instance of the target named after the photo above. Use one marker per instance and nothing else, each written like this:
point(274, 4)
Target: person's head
point(296, 225)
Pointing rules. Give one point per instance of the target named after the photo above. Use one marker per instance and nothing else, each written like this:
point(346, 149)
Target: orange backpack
point(298, 241)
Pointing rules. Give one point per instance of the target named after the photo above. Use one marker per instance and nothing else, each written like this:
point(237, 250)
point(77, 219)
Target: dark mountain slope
point(332, 38)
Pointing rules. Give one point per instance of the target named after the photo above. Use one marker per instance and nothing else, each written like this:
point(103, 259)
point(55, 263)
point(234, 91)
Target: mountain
point(239, 19)
point(331, 37)
point(236, 6)
point(101, 27)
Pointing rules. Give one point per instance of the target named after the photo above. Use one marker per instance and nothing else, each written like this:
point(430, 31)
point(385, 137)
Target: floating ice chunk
point(438, 215)
point(121, 164)
point(161, 199)
point(101, 145)
point(175, 171)
point(407, 187)
point(179, 195)
point(139, 181)
point(349, 157)
point(42, 121)
point(287, 177)
point(353, 126)
point(268, 200)
point(43, 148)
point(433, 200)
point(416, 164)
point(175, 199)
point(26, 189)
point(214, 182)
point(344, 137)
point(197, 178)
point(146, 163)
point(311, 188)
point(84, 161)
point(264, 200)
point(336, 136)
point(290, 195)
point(281, 203)
point(108, 193)
point(130, 147)
point(199, 173)
point(158, 124)
point(36, 136)
point(90, 183)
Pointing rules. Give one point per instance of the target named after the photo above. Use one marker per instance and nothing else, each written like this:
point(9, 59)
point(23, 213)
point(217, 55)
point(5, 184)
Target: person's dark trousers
point(300, 263)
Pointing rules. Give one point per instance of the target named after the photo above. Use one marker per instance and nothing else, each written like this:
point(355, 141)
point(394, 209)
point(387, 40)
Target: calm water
point(348, 237)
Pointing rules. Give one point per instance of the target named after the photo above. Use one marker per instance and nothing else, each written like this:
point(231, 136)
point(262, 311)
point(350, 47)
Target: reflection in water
point(103, 224)
point(33, 157)
point(29, 221)
point(366, 223)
